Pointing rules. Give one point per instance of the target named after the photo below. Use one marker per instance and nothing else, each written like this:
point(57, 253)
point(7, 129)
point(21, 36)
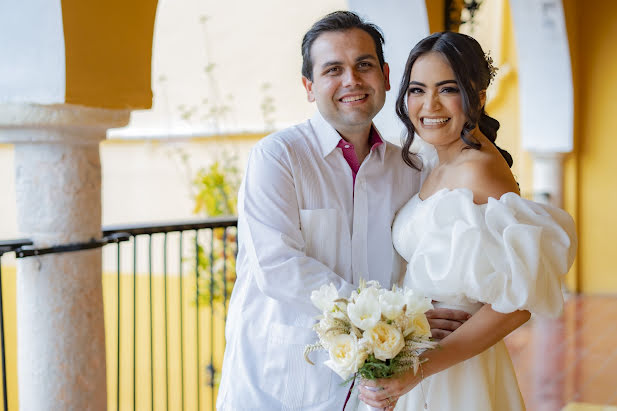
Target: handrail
point(114, 234)
point(7, 246)
point(168, 227)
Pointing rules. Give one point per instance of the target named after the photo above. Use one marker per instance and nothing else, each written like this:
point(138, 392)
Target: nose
point(431, 102)
point(351, 78)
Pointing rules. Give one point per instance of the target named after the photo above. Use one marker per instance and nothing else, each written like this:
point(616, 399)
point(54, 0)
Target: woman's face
point(434, 100)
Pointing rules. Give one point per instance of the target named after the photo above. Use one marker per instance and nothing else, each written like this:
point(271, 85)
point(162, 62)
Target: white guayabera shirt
point(301, 226)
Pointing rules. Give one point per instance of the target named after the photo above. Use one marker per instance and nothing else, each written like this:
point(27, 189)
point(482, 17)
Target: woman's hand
point(384, 393)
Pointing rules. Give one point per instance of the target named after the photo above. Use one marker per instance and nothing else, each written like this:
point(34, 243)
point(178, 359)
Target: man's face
point(348, 85)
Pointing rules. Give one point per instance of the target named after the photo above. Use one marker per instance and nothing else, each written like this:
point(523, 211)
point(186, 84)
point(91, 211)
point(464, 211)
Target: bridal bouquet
point(375, 333)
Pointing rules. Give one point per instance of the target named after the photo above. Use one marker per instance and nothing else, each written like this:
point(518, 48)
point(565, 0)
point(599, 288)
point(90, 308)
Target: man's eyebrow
point(331, 63)
point(439, 83)
point(366, 57)
point(359, 58)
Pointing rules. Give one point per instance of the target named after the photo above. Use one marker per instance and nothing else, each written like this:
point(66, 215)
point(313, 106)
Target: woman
point(470, 241)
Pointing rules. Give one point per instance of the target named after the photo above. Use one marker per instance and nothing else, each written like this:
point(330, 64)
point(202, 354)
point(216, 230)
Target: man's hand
point(445, 320)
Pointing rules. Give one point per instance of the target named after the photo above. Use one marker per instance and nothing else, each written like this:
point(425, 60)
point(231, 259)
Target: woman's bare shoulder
point(486, 175)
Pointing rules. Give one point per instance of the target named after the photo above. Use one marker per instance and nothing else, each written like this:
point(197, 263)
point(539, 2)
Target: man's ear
point(386, 74)
point(308, 85)
point(482, 98)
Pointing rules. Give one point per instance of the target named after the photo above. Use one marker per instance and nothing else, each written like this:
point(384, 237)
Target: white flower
point(418, 325)
point(324, 297)
point(365, 312)
point(392, 303)
point(416, 303)
point(385, 339)
point(330, 325)
point(345, 356)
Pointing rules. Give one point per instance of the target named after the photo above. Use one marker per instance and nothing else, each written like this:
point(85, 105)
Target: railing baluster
point(211, 367)
point(225, 275)
point(118, 348)
point(151, 327)
point(4, 393)
point(166, 340)
point(134, 322)
point(181, 326)
point(197, 311)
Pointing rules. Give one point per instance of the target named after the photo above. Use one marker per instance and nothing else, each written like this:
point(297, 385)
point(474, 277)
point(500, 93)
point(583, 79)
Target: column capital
point(57, 123)
point(548, 155)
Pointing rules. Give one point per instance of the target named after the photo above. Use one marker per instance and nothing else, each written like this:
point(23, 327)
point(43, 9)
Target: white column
point(60, 324)
point(548, 178)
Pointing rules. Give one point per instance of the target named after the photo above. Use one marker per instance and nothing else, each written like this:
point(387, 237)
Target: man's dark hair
point(338, 21)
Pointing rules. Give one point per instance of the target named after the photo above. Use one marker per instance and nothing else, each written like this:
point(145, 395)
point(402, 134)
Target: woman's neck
point(451, 152)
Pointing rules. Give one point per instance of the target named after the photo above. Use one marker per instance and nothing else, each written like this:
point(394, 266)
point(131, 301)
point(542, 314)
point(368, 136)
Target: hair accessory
point(492, 70)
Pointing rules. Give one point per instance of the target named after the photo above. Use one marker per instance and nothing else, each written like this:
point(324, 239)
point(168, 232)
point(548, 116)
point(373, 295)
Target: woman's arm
point(484, 329)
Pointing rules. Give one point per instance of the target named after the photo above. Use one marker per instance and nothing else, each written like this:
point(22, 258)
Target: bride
point(471, 242)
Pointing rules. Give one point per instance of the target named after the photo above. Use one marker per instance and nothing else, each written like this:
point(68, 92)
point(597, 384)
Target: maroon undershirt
point(349, 153)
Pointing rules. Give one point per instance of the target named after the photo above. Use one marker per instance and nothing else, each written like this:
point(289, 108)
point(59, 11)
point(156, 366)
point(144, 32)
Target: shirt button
point(346, 145)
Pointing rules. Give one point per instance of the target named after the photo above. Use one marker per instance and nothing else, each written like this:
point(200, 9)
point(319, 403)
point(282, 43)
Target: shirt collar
point(328, 138)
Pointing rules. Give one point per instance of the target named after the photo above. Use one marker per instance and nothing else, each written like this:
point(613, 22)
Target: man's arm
point(269, 207)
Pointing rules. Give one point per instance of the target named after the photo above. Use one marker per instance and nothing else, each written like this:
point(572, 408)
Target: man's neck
point(360, 140)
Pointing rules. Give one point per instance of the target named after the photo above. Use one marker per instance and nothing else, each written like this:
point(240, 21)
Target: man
point(315, 207)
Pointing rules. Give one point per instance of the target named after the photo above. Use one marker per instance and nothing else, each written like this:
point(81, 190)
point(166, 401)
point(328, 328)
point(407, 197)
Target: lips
point(355, 97)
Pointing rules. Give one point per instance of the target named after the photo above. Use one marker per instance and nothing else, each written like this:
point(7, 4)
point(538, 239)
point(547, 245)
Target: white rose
point(416, 303)
point(418, 325)
point(365, 312)
point(345, 355)
point(324, 297)
point(386, 340)
point(392, 303)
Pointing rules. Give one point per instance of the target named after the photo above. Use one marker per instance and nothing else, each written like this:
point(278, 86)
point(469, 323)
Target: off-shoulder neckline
point(462, 190)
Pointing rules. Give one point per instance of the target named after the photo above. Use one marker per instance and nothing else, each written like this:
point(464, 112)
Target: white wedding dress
point(510, 253)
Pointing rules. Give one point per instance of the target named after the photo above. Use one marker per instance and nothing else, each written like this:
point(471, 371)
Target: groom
point(315, 207)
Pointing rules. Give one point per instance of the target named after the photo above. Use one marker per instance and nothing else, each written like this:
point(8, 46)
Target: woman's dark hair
point(473, 72)
point(338, 21)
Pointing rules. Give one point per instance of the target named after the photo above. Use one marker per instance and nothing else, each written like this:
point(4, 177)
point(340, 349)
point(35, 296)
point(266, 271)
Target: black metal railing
point(166, 290)
point(10, 246)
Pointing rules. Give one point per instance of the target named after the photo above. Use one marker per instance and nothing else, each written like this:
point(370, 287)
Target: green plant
point(216, 189)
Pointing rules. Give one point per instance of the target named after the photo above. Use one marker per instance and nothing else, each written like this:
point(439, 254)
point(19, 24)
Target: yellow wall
point(9, 291)
point(435, 11)
point(108, 47)
point(593, 32)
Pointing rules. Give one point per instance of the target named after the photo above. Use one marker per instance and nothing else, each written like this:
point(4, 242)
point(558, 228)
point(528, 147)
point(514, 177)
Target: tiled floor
point(572, 359)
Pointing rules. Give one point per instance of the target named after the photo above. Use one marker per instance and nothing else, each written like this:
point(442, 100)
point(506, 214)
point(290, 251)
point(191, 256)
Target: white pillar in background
point(548, 178)
point(546, 92)
point(60, 322)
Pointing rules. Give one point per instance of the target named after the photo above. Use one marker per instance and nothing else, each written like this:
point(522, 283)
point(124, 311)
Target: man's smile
point(353, 98)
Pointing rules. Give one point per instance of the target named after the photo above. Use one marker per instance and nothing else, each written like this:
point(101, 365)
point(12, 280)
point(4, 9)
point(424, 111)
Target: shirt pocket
point(287, 376)
point(321, 231)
